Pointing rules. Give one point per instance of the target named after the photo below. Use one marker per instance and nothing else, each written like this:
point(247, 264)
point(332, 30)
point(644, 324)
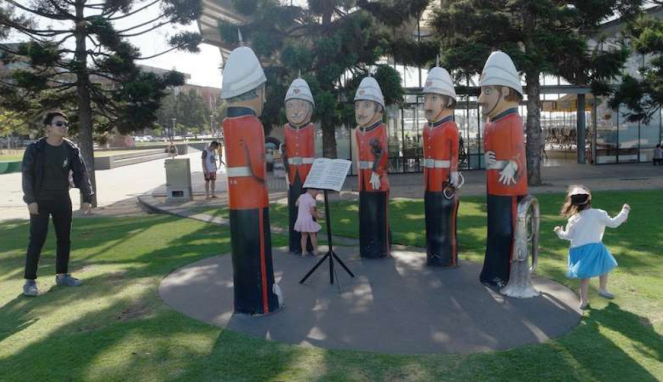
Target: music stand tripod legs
point(330, 254)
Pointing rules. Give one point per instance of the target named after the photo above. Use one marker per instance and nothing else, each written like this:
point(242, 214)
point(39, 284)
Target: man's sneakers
point(30, 288)
point(67, 280)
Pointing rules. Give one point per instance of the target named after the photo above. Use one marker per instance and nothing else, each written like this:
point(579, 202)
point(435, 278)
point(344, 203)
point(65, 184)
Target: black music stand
point(330, 253)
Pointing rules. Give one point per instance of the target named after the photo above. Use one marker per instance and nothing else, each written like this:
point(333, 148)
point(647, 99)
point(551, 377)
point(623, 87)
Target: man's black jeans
point(60, 209)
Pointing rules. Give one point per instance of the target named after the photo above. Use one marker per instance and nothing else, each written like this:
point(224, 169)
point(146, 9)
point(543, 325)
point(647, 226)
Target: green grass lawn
point(16, 155)
point(11, 156)
point(115, 328)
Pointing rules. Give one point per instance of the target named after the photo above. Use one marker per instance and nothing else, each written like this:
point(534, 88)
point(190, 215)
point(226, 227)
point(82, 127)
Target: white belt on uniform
point(498, 165)
point(365, 165)
point(296, 161)
point(235, 172)
point(433, 163)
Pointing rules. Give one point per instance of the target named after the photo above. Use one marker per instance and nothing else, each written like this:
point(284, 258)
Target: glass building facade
point(610, 137)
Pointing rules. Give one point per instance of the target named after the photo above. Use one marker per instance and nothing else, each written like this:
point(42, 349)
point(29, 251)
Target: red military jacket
point(504, 136)
point(440, 152)
point(377, 131)
point(299, 150)
point(244, 140)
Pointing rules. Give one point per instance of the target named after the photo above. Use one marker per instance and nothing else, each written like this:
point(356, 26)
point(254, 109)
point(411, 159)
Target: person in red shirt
point(298, 152)
point(243, 88)
point(441, 177)
point(372, 173)
point(506, 171)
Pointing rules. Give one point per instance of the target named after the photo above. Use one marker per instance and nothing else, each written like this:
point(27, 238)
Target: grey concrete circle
point(395, 305)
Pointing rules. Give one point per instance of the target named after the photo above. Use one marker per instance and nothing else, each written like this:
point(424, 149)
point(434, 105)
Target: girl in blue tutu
point(588, 257)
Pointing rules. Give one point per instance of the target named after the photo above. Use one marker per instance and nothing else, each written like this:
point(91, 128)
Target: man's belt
point(498, 165)
point(296, 161)
point(434, 163)
point(365, 165)
point(235, 172)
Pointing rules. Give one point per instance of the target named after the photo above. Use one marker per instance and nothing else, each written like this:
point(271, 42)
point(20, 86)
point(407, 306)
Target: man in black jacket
point(47, 164)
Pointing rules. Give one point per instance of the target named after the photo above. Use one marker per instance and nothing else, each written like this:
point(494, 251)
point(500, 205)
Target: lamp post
point(172, 129)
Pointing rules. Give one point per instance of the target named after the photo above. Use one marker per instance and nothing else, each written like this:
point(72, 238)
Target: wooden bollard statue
point(506, 172)
point(441, 176)
point(372, 173)
point(298, 151)
point(243, 89)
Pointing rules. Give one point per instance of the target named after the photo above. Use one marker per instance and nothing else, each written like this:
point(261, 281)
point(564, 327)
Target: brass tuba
point(526, 240)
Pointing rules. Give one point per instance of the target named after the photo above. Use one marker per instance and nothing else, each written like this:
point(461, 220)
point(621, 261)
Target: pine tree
point(542, 37)
point(644, 95)
point(96, 79)
point(334, 43)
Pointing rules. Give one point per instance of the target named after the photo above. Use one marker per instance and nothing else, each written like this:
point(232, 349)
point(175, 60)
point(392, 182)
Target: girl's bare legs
point(603, 287)
point(304, 239)
point(314, 243)
point(584, 290)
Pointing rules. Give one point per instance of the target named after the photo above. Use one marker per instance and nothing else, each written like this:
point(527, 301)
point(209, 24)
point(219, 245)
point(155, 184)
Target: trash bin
point(178, 180)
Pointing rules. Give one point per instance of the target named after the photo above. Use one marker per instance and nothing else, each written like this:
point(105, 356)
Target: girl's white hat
point(579, 190)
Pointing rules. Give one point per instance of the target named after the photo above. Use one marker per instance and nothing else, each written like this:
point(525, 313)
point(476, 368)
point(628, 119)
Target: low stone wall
point(140, 156)
point(10, 167)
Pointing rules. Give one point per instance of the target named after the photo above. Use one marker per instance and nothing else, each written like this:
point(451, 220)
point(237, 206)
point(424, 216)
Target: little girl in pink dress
point(305, 223)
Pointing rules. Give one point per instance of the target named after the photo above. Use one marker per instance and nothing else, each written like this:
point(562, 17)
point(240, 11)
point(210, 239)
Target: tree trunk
point(533, 130)
point(328, 129)
point(82, 89)
point(329, 141)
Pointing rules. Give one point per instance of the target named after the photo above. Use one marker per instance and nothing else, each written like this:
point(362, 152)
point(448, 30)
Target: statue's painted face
point(434, 105)
point(493, 102)
point(262, 96)
point(298, 111)
point(367, 112)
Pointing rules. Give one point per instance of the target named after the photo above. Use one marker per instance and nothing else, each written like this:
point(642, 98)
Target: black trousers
point(60, 209)
point(502, 211)
point(295, 238)
point(374, 235)
point(441, 242)
point(253, 272)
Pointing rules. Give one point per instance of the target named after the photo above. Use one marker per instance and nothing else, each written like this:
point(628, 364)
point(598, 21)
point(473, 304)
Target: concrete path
point(115, 185)
point(396, 305)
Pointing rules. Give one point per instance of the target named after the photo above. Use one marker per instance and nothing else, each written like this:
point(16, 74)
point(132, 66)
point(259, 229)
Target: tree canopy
point(76, 60)
point(644, 95)
point(334, 44)
point(542, 37)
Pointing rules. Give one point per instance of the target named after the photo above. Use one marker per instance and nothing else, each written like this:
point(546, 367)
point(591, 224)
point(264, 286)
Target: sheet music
point(328, 174)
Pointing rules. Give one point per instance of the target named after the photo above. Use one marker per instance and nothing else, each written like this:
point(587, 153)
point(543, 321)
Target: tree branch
point(143, 24)
point(133, 12)
point(147, 30)
point(40, 13)
point(36, 32)
point(60, 10)
point(158, 54)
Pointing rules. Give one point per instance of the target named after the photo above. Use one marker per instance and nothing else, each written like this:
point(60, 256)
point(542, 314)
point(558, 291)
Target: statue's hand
point(375, 181)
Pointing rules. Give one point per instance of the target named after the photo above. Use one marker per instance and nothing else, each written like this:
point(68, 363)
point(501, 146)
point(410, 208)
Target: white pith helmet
point(369, 90)
point(242, 73)
point(299, 89)
point(439, 82)
point(500, 70)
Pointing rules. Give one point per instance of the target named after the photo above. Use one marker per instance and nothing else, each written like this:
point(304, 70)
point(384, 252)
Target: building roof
point(214, 10)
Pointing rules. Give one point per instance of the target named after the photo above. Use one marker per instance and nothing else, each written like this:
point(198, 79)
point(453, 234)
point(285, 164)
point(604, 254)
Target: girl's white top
point(588, 226)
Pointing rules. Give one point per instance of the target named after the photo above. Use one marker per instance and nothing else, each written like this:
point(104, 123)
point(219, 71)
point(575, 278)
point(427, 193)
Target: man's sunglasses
point(60, 124)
